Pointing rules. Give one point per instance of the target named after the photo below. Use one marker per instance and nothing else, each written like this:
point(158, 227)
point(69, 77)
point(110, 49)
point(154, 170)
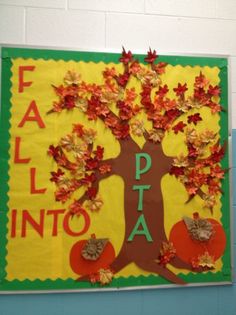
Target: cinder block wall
point(169, 26)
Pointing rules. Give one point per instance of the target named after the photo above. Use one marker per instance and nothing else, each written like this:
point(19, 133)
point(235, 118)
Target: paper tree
point(119, 101)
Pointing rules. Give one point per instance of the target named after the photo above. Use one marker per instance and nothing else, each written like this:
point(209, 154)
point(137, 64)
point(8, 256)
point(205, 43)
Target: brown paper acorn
point(199, 229)
point(93, 249)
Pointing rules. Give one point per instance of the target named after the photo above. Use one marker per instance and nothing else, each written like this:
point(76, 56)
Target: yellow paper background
point(34, 257)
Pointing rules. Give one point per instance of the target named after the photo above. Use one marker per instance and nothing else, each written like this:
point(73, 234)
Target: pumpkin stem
point(196, 215)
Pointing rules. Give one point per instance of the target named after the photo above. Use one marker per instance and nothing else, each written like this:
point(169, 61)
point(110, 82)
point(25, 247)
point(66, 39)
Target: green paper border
point(4, 157)
point(9, 53)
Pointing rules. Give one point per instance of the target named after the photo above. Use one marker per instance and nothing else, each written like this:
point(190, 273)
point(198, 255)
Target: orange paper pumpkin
point(187, 248)
point(82, 266)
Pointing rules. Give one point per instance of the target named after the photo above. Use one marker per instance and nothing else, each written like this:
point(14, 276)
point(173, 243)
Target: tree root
point(164, 272)
point(120, 262)
point(180, 264)
point(151, 266)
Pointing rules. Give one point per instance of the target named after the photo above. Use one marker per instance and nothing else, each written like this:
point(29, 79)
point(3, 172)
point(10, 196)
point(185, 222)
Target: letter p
point(138, 157)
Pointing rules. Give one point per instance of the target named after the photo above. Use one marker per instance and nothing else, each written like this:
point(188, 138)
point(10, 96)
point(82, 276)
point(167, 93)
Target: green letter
point(140, 188)
point(148, 159)
point(141, 221)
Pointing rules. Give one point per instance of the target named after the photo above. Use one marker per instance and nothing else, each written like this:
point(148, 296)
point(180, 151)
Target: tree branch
point(199, 193)
point(99, 177)
point(146, 135)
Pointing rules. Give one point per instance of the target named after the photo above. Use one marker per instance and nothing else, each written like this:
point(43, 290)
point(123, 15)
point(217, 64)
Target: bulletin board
point(114, 171)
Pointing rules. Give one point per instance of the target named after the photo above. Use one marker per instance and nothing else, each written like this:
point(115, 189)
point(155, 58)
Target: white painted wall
point(169, 26)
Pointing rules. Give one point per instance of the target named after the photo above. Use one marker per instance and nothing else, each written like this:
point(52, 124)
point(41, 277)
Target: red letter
point(33, 189)
point(55, 214)
point(13, 222)
point(17, 158)
point(22, 83)
point(26, 217)
point(36, 117)
point(67, 228)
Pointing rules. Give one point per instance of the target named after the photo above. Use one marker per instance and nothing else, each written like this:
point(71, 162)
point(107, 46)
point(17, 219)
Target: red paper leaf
point(122, 79)
point(121, 131)
point(88, 179)
point(163, 90)
point(56, 175)
point(125, 112)
point(192, 151)
point(78, 129)
point(217, 153)
point(194, 118)
point(91, 164)
point(151, 56)
point(99, 153)
point(214, 90)
point(214, 187)
point(63, 194)
point(217, 172)
point(105, 168)
point(181, 89)
point(172, 114)
point(91, 192)
point(199, 94)
point(177, 171)
point(111, 121)
point(160, 67)
point(201, 81)
point(69, 102)
point(54, 151)
point(179, 127)
point(76, 208)
point(126, 57)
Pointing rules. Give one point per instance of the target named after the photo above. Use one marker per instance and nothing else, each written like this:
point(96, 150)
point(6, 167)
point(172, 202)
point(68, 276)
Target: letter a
point(141, 221)
point(36, 117)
